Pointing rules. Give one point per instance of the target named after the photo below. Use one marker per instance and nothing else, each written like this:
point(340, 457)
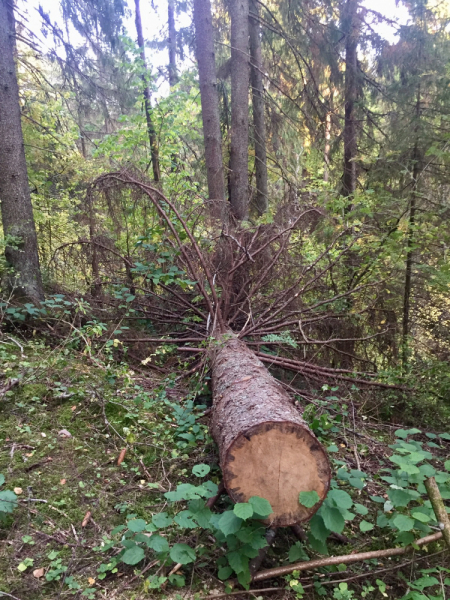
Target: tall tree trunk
point(410, 238)
point(326, 153)
point(173, 76)
point(239, 11)
point(350, 134)
point(210, 106)
point(16, 207)
point(259, 124)
point(147, 97)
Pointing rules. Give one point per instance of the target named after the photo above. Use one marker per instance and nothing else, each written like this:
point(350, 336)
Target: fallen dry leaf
point(63, 482)
point(87, 516)
point(29, 454)
point(73, 408)
point(18, 491)
point(121, 456)
point(91, 580)
point(65, 433)
point(38, 573)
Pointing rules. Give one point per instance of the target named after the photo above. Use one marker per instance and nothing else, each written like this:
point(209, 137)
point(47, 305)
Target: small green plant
point(8, 500)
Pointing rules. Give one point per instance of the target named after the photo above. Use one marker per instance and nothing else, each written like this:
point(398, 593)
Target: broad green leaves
point(261, 507)
point(243, 510)
point(137, 525)
point(229, 523)
point(133, 555)
point(183, 554)
point(8, 499)
point(308, 499)
point(157, 543)
point(201, 470)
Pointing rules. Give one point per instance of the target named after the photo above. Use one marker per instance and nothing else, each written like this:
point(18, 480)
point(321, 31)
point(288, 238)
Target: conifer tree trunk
point(173, 76)
point(410, 237)
point(239, 13)
point(147, 97)
point(259, 124)
point(16, 207)
point(350, 134)
point(210, 106)
point(326, 153)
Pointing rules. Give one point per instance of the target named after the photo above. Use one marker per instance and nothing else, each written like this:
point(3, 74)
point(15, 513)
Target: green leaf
point(177, 580)
point(8, 501)
point(333, 519)
point(237, 561)
point(261, 506)
point(243, 510)
point(361, 509)
point(224, 573)
point(317, 545)
point(137, 525)
point(356, 483)
point(229, 523)
point(133, 555)
point(297, 552)
point(403, 523)
point(2, 479)
point(446, 465)
point(158, 543)
point(444, 436)
point(318, 529)
point(162, 520)
point(404, 465)
point(400, 497)
point(182, 553)
point(201, 470)
point(308, 499)
point(340, 498)
point(184, 519)
point(366, 526)
point(401, 433)
point(420, 516)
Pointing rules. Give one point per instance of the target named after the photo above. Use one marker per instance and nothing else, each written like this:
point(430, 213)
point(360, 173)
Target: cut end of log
point(277, 461)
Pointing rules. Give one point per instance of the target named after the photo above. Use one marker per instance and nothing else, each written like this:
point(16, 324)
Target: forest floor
point(87, 444)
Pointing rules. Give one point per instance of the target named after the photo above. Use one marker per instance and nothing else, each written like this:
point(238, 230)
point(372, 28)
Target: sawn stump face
point(266, 448)
point(277, 461)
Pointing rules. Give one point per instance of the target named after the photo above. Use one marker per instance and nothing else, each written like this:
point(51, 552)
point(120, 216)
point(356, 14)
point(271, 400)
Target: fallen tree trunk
point(266, 448)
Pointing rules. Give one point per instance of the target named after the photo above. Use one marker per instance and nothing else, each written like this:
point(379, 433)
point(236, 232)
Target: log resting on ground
point(266, 448)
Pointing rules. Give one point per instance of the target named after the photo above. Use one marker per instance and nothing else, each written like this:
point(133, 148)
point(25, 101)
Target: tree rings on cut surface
point(266, 448)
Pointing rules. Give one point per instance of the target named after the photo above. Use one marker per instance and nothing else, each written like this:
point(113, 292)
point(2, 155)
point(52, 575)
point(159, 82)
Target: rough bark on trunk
point(259, 124)
point(147, 97)
point(350, 139)
point(410, 238)
point(173, 76)
point(239, 12)
point(16, 207)
point(266, 448)
point(326, 153)
point(210, 105)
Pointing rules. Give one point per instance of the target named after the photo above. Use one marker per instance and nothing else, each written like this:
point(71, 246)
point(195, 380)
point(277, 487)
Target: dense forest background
point(274, 170)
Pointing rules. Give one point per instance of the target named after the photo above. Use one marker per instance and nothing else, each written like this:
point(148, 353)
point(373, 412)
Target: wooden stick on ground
point(439, 508)
point(346, 559)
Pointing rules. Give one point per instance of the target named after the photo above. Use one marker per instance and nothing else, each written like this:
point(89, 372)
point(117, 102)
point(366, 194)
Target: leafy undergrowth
point(107, 474)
